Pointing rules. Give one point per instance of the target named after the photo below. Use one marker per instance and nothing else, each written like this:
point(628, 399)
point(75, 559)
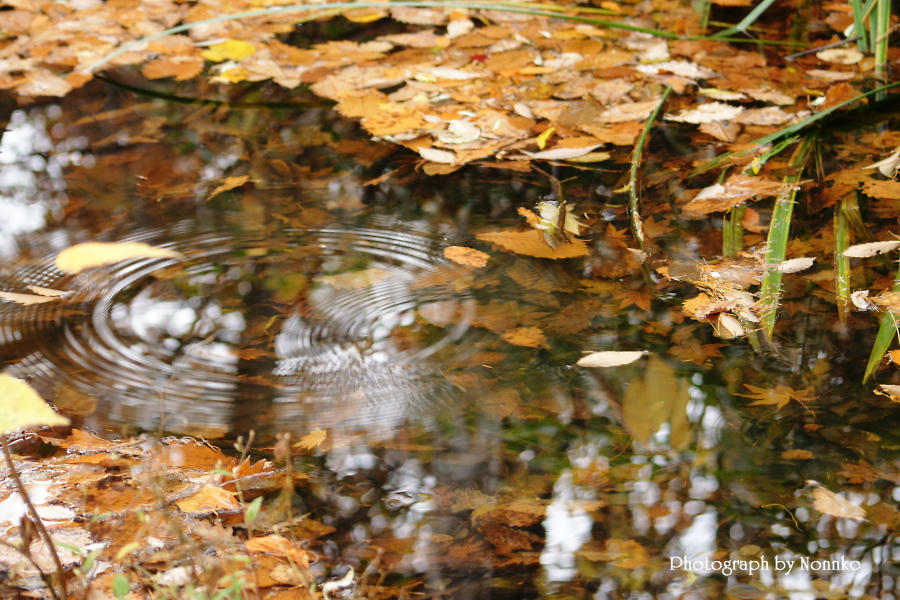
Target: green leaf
point(120, 586)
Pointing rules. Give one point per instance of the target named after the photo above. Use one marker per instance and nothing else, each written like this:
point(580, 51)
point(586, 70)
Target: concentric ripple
point(301, 328)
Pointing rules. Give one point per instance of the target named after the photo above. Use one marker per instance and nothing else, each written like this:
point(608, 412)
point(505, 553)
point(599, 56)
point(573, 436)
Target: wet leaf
point(530, 337)
point(23, 407)
point(89, 255)
point(610, 358)
point(355, 280)
point(466, 256)
point(840, 56)
point(797, 454)
point(778, 397)
point(795, 265)
point(42, 291)
point(280, 546)
point(531, 243)
point(871, 249)
point(829, 503)
point(560, 153)
point(312, 440)
point(438, 156)
point(26, 299)
point(229, 183)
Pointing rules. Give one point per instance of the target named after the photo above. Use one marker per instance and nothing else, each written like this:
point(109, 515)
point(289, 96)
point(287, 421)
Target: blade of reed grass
point(859, 25)
point(887, 331)
point(733, 232)
point(789, 130)
point(779, 230)
point(841, 262)
point(339, 7)
point(634, 203)
point(881, 28)
point(747, 21)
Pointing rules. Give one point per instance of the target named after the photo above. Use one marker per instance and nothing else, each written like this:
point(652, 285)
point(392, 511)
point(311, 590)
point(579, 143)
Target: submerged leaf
point(356, 279)
point(466, 256)
point(77, 258)
point(829, 503)
point(26, 299)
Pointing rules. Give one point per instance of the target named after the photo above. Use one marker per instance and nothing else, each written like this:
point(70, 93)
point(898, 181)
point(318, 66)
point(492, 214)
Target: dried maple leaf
point(311, 440)
point(779, 397)
point(829, 503)
point(859, 473)
point(639, 298)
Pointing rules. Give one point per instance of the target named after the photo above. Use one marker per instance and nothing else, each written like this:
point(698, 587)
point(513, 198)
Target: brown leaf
point(279, 546)
point(229, 183)
point(736, 190)
point(356, 279)
point(530, 337)
point(531, 243)
point(209, 499)
point(829, 503)
point(886, 190)
point(312, 440)
point(466, 256)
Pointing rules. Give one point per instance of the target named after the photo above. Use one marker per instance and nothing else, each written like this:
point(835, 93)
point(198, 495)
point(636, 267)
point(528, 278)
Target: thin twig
point(820, 48)
point(60, 573)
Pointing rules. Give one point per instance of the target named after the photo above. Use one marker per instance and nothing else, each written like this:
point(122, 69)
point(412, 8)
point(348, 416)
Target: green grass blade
point(887, 331)
point(859, 25)
point(779, 233)
point(789, 130)
point(733, 232)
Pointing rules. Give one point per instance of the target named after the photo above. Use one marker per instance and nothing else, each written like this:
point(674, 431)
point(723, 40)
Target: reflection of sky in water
point(568, 529)
point(31, 182)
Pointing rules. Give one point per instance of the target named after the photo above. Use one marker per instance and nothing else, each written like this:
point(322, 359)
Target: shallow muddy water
point(466, 451)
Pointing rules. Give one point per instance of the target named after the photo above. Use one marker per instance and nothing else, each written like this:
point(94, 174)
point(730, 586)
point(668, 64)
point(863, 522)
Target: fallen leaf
point(280, 546)
point(530, 337)
point(42, 291)
point(531, 243)
point(209, 499)
point(829, 503)
point(797, 455)
point(795, 265)
point(89, 255)
point(840, 56)
point(707, 113)
point(23, 407)
point(561, 153)
point(229, 183)
point(437, 156)
point(356, 279)
point(871, 249)
point(312, 440)
point(736, 190)
point(466, 256)
point(610, 358)
point(26, 299)
point(229, 50)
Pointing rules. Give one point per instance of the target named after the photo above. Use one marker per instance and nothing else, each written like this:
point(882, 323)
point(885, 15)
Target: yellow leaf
point(828, 503)
point(365, 15)
point(209, 499)
point(530, 337)
point(96, 254)
point(466, 256)
point(355, 280)
point(22, 407)
point(229, 50)
point(531, 243)
point(544, 137)
point(229, 183)
point(311, 440)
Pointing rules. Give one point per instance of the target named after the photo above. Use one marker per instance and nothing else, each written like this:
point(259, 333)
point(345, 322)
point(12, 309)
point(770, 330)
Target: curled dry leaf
point(736, 190)
point(437, 156)
point(871, 249)
point(610, 358)
point(561, 153)
point(727, 327)
point(860, 299)
point(840, 56)
point(80, 257)
point(829, 503)
point(467, 256)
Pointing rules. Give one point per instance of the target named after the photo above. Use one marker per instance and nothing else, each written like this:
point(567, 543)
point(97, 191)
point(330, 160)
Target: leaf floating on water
point(797, 454)
point(466, 256)
point(23, 407)
point(829, 503)
point(26, 299)
point(531, 243)
point(736, 190)
point(438, 156)
point(229, 183)
point(229, 50)
point(561, 153)
point(871, 249)
point(209, 499)
point(312, 440)
point(355, 280)
point(42, 291)
point(891, 391)
point(610, 358)
point(89, 255)
point(795, 265)
point(530, 337)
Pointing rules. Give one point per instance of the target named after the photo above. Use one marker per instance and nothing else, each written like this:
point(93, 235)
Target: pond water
point(466, 453)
